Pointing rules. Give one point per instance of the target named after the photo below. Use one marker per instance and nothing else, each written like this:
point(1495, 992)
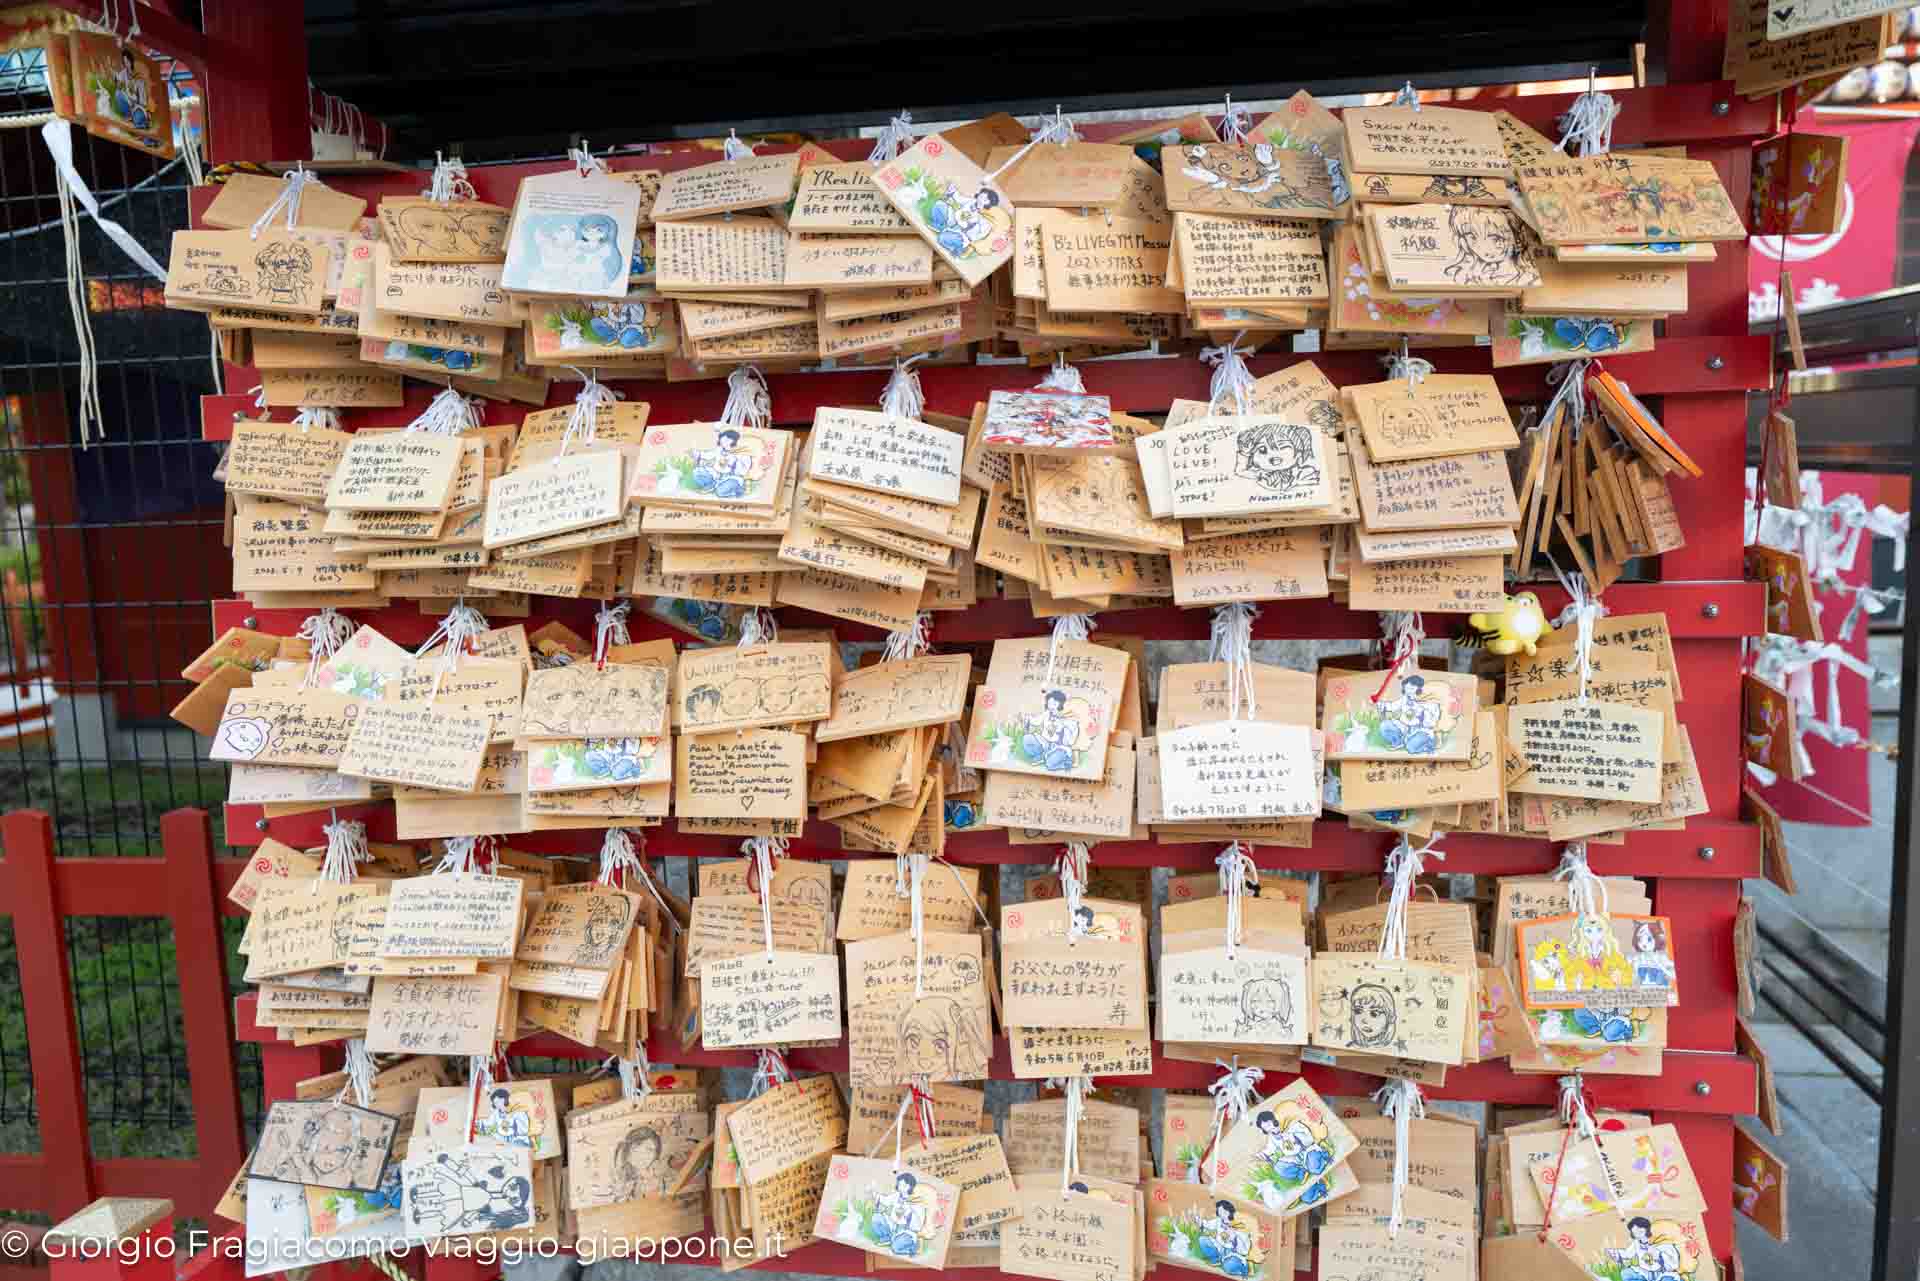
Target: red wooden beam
point(256, 81)
point(200, 953)
point(46, 988)
point(160, 29)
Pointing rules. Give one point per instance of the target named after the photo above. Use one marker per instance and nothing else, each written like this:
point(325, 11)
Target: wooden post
point(200, 952)
point(117, 1238)
point(256, 79)
point(46, 988)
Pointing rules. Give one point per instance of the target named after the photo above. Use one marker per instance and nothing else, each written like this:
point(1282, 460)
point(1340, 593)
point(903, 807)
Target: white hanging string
point(1410, 367)
point(1407, 97)
point(1402, 1101)
point(1075, 1090)
point(1404, 865)
point(1569, 383)
point(769, 1070)
point(765, 851)
point(1583, 611)
point(1586, 893)
point(324, 632)
point(618, 859)
point(910, 641)
point(636, 1077)
point(749, 401)
point(640, 872)
point(92, 419)
point(1575, 1116)
point(1233, 1093)
point(360, 1070)
point(1588, 123)
point(449, 182)
point(1062, 377)
point(610, 628)
point(1402, 633)
point(1057, 128)
point(758, 627)
point(1237, 870)
point(1231, 377)
point(1067, 627)
point(287, 200)
point(462, 857)
point(592, 397)
point(462, 625)
point(902, 397)
point(1867, 600)
point(909, 882)
point(448, 414)
point(585, 163)
point(733, 148)
point(325, 417)
point(1072, 865)
point(892, 140)
point(1232, 644)
point(346, 850)
point(1235, 123)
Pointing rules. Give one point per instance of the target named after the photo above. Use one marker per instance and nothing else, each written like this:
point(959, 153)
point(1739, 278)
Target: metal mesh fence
point(109, 557)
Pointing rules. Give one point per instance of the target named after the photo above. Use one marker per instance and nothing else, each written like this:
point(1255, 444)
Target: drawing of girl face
point(1644, 938)
point(1593, 932)
point(1492, 240)
point(926, 1042)
point(246, 738)
point(1372, 1008)
point(1273, 453)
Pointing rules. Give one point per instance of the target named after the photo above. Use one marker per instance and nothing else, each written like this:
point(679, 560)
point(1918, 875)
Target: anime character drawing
point(1754, 1181)
point(1594, 959)
point(1277, 456)
point(630, 1170)
point(572, 253)
point(1051, 419)
point(901, 1221)
point(506, 1121)
point(939, 1039)
point(603, 930)
point(1653, 1253)
point(1575, 1027)
point(465, 1194)
point(1450, 187)
point(1419, 720)
point(335, 1210)
point(629, 326)
point(1089, 924)
point(326, 1147)
point(726, 470)
point(121, 91)
point(284, 267)
point(1050, 737)
point(242, 738)
point(1372, 1017)
point(1234, 177)
point(1490, 249)
point(1294, 1161)
point(1548, 965)
point(1652, 966)
point(1265, 1005)
point(966, 224)
point(1223, 1239)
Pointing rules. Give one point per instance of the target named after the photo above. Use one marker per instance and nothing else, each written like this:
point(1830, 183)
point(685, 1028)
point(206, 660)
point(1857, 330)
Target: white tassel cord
point(1075, 1089)
point(448, 414)
point(1587, 125)
point(592, 397)
point(449, 182)
point(1232, 644)
point(610, 629)
point(1237, 870)
point(1067, 627)
point(1583, 610)
point(1072, 867)
point(1231, 377)
point(1402, 1101)
point(1232, 1093)
point(325, 633)
point(287, 200)
point(902, 397)
point(758, 627)
point(892, 140)
point(1404, 865)
point(911, 641)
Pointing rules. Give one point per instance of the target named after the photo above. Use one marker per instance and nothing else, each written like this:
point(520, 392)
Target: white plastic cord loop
point(1062, 377)
point(1407, 97)
point(360, 1070)
point(1404, 865)
point(292, 184)
point(1402, 1101)
point(1237, 870)
point(618, 859)
point(636, 1076)
point(461, 857)
point(610, 628)
point(1587, 125)
point(1569, 383)
point(758, 627)
point(1057, 128)
point(324, 417)
point(449, 182)
point(592, 397)
point(585, 163)
point(1412, 368)
point(1583, 610)
point(448, 414)
point(1067, 627)
point(749, 401)
point(892, 140)
point(1586, 893)
point(324, 632)
point(1232, 644)
point(1075, 1089)
point(910, 641)
point(1231, 377)
point(769, 1070)
point(734, 148)
point(1072, 864)
point(1236, 122)
point(1232, 1093)
point(902, 397)
point(346, 850)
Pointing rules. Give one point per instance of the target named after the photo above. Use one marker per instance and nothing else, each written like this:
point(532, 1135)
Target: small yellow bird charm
point(1520, 625)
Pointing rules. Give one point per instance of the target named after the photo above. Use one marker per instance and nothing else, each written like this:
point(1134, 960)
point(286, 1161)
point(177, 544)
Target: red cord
point(1553, 1189)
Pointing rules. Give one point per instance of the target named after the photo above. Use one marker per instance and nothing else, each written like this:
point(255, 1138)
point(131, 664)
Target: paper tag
point(769, 999)
point(1240, 769)
point(1610, 751)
